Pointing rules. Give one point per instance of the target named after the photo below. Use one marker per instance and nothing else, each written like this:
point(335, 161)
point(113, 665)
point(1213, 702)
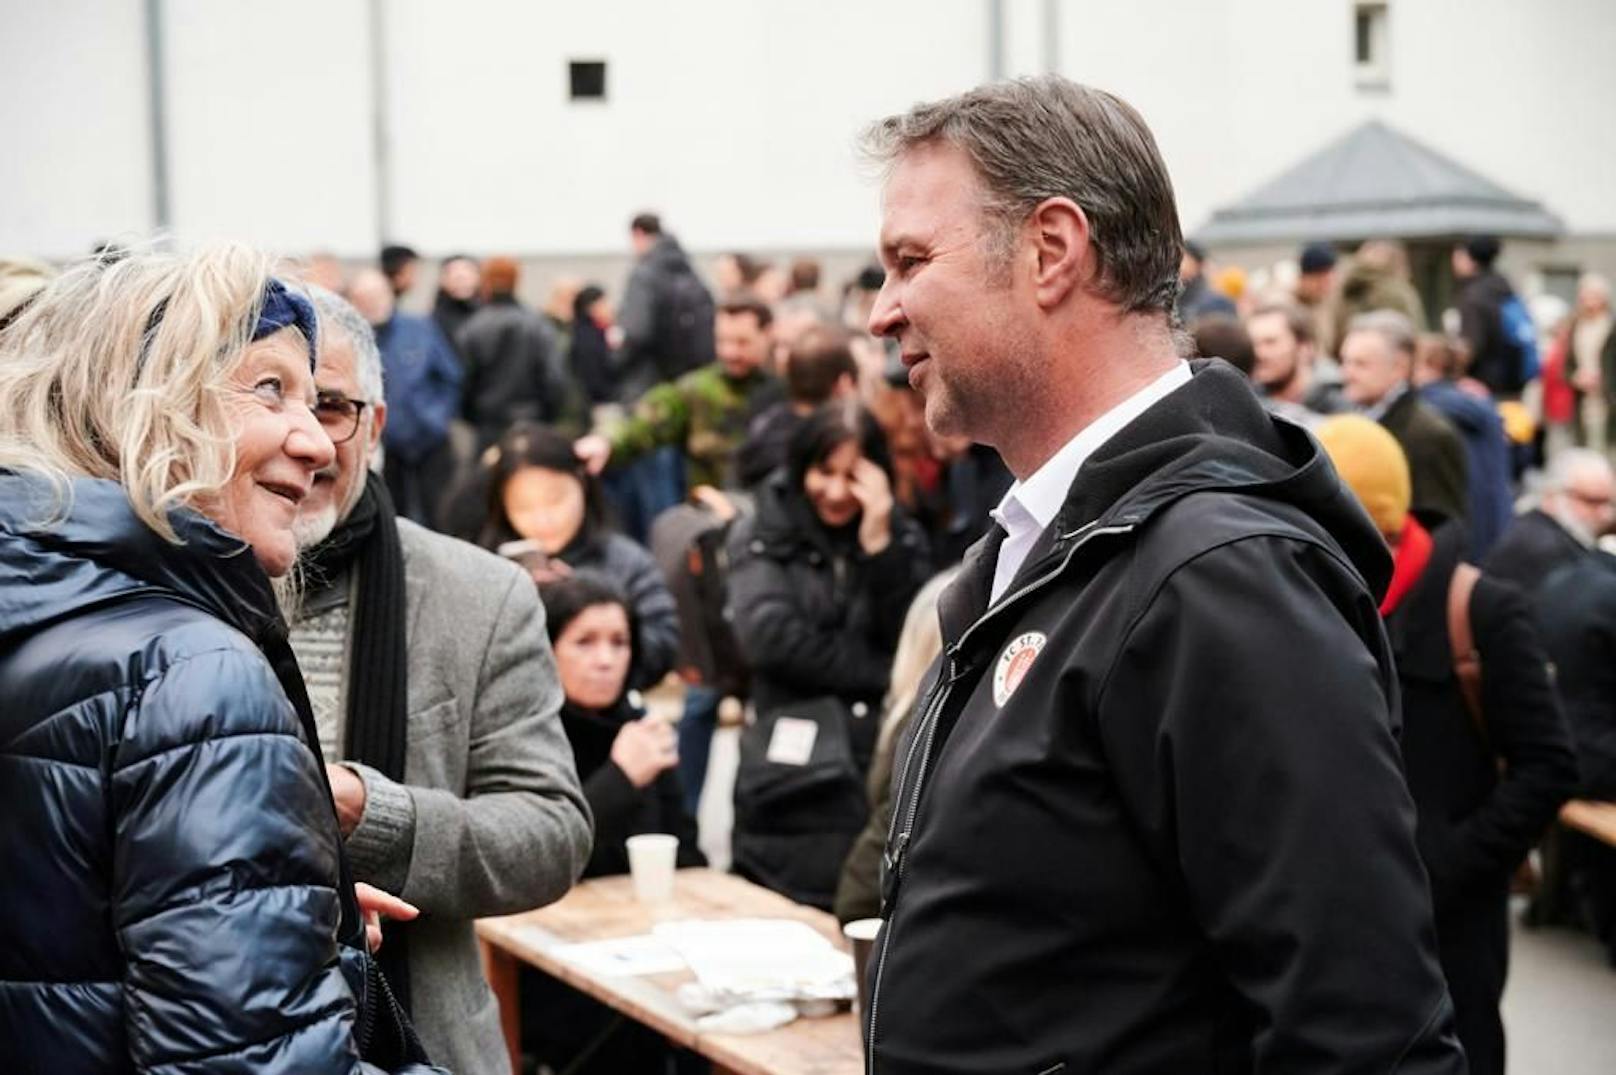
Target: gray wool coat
point(490, 819)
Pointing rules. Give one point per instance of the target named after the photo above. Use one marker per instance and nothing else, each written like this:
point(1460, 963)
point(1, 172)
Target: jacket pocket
point(434, 719)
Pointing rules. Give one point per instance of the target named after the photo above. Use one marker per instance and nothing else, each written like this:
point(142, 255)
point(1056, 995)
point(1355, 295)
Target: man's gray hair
point(1047, 137)
point(338, 314)
point(1567, 463)
point(1393, 327)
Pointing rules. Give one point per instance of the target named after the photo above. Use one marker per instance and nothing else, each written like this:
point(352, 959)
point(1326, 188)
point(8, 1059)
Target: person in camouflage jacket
point(704, 412)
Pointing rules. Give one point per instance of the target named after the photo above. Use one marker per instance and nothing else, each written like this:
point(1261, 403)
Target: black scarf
point(367, 542)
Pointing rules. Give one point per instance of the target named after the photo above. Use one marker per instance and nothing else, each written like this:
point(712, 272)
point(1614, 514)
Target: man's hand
point(874, 494)
point(349, 793)
point(594, 450)
point(645, 748)
point(374, 905)
point(715, 502)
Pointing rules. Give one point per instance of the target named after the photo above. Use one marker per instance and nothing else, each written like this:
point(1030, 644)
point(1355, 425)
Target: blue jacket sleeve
point(224, 878)
point(440, 406)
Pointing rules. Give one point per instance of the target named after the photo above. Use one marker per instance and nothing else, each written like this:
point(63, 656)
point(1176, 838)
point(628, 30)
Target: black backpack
point(796, 818)
point(684, 325)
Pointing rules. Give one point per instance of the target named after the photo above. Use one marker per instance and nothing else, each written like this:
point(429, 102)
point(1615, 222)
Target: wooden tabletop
point(605, 907)
point(1597, 819)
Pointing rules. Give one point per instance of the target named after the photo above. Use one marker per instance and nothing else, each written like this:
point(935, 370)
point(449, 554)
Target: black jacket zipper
point(923, 743)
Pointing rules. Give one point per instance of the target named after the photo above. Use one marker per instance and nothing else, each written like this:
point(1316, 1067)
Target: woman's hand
point(874, 494)
point(644, 749)
point(374, 905)
point(348, 791)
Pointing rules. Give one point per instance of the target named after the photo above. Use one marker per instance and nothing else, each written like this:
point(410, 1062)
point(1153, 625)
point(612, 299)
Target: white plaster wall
point(74, 162)
point(736, 119)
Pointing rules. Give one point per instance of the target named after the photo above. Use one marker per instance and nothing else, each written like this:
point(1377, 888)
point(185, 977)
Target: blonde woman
point(169, 857)
point(858, 894)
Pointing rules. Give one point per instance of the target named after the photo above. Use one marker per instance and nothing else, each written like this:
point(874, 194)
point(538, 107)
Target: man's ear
point(378, 422)
point(1060, 235)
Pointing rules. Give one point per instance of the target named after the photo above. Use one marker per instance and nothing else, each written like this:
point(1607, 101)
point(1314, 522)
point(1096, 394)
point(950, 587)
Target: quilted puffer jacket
point(168, 854)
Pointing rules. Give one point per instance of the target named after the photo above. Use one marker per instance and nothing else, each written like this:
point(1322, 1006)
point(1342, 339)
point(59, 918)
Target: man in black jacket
point(666, 315)
point(1377, 367)
point(1489, 762)
point(1149, 815)
point(1577, 503)
point(1496, 360)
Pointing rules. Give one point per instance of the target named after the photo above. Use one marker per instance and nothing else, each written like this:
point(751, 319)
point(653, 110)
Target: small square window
point(1371, 44)
point(587, 79)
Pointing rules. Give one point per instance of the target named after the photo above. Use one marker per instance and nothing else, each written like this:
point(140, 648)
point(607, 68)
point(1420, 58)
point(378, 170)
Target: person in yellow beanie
point(1373, 465)
point(1473, 826)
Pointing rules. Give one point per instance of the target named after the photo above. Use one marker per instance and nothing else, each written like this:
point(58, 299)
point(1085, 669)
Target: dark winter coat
point(513, 369)
point(1475, 828)
point(627, 565)
point(662, 290)
point(1533, 547)
point(168, 849)
point(422, 374)
point(1487, 461)
point(1436, 456)
point(1577, 619)
point(815, 615)
point(620, 809)
point(1150, 815)
point(451, 315)
point(1494, 361)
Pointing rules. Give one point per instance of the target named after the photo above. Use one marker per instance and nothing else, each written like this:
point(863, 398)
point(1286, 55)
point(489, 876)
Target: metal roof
point(1375, 182)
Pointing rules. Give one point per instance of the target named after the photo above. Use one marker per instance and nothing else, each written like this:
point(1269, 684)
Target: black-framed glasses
point(339, 415)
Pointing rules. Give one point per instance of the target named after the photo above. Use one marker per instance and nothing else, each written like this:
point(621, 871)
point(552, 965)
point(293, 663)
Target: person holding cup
point(628, 763)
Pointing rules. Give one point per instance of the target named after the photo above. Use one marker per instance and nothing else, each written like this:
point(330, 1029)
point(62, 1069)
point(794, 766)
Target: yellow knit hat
point(1373, 465)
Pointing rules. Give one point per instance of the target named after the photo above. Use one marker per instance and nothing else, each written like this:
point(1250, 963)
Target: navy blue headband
point(284, 308)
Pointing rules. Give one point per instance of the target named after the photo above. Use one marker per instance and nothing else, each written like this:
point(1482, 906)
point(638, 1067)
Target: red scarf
point(1408, 563)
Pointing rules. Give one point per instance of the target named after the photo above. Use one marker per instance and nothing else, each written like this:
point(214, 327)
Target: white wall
point(75, 167)
point(268, 123)
point(736, 119)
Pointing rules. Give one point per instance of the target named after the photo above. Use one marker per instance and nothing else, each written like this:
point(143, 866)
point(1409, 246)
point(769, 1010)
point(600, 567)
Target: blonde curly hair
point(117, 370)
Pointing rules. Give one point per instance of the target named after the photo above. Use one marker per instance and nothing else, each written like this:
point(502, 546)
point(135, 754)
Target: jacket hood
point(667, 254)
point(1213, 434)
point(1489, 287)
point(1460, 407)
point(101, 552)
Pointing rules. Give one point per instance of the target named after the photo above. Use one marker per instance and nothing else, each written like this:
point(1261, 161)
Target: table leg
point(499, 967)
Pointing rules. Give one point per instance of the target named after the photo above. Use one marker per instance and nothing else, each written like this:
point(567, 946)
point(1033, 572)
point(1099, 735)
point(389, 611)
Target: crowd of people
point(1088, 609)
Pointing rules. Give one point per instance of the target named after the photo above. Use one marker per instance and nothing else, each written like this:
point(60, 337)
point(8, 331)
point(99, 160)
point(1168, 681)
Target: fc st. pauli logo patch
point(1014, 663)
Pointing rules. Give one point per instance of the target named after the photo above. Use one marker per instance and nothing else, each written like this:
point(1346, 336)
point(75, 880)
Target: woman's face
point(829, 485)
point(546, 506)
point(279, 447)
point(592, 655)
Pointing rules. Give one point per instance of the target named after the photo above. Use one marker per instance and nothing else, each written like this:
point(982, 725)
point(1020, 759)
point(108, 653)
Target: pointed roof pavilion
point(1375, 182)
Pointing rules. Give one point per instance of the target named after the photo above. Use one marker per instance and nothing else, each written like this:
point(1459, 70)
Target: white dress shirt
point(1030, 506)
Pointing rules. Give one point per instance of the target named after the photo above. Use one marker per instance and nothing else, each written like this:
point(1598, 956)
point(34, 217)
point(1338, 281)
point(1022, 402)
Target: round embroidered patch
point(1014, 664)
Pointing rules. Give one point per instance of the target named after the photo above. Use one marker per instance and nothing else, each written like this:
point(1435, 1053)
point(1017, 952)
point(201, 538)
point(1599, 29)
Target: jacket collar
point(1210, 434)
point(100, 552)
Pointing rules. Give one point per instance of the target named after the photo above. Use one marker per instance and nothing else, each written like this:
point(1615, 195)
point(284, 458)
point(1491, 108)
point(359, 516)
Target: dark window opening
point(587, 79)
point(1364, 35)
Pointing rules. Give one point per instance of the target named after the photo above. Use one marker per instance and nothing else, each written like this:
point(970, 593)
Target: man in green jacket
point(705, 411)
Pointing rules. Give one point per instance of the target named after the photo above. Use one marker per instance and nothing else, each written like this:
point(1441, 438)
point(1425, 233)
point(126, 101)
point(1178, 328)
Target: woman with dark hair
point(540, 494)
point(820, 578)
point(629, 767)
point(589, 355)
point(628, 762)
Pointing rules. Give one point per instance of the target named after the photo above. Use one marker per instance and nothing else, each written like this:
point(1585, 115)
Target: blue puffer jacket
point(168, 853)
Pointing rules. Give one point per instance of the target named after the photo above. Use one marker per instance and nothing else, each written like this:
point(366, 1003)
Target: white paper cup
point(860, 934)
point(650, 863)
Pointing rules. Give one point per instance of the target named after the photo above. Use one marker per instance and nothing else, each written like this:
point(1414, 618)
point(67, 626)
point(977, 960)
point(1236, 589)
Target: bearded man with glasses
point(431, 677)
